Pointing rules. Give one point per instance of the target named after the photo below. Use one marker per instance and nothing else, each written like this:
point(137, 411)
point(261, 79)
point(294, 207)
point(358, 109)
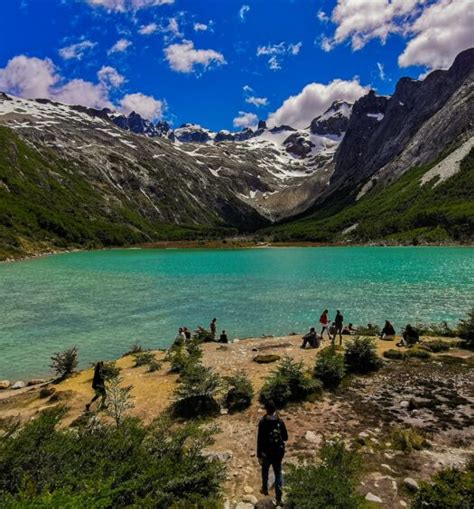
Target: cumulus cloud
point(183, 57)
point(276, 52)
point(120, 46)
point(299, 110)
point(200, 27)
point(245, 119)
point(31, 77)
point(145, 105)
point(149, 29)
point(440, 33)
point(257, 101)
point(110, 77)
point(243, 12)
point(76, 51)
point(363, 20)
point(127, 5)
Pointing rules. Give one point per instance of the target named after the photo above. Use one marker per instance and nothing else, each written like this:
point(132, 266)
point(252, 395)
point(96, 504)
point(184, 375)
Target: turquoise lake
point(104, 301)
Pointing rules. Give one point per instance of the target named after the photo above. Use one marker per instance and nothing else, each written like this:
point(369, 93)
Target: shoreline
point(218, 245)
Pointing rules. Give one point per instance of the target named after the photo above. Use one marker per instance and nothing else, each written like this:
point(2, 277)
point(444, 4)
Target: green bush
point(240, 392)
point(330, 483)
point(143, 359)
point(449, 489)
point(417, 352)
point(134, 349)
point(110, 370)
point(361, 355)
point(330, 367)
point(369, 330)
point(288, 383)
point(441, 329)
point(182, 356)
point(135, 465)
point(195, 396)
point(438, 346)
point(64, 363)
point(202, 335)
point(153, 366)
point(408, 439)
point(394, 354)
point(466, 329)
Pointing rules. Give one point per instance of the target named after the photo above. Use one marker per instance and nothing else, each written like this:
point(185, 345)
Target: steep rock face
point(333, 121)
point(298, 145)
point(412, 127)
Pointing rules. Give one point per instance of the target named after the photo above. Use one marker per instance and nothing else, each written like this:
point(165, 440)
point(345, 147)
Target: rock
point(312, 437)
point(19, 385)
point(251, 499)
point(403, 503)
point(4, 384)
point(387, 467)
point(265, 503)
point(370, 497)
point(46, 392)
point(223, 456)
point(248, 489)
point(244, 505)
point(411, 484)
point(363, 434)
point(36, 381)
point(404, 404)
point(266, 359)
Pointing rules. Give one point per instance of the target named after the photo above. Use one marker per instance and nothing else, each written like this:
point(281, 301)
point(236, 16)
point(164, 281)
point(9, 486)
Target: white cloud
point(183, 57)
point(200, 27)
point(243, 12)
point(149, 29)
point(257, 101)
point(245, 119)
point(32, 77)
point(247, 88)
point(363, 20)
point(440, 33)
point(381, 71)
point(120, 46)
point(145, 105)
point(322, 16)
point(299, 110)
point(127, 5)
point(276, 52)
point(172, 28)
point(110, 77)
point(76, 51)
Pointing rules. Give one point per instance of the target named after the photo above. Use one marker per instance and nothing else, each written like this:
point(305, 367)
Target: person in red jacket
point(324, 322)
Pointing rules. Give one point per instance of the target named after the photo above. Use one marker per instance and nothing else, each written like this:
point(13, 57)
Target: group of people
point(184, 334)
point(331, 328)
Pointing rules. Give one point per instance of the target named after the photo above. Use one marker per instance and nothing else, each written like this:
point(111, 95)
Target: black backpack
point(275, 440)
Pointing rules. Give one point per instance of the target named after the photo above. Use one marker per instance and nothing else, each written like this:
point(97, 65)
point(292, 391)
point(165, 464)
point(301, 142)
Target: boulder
point(411, 484)
point(266, 359)
point(19, 385)
point(248, 489)
point(251, 499)
point(36, 381)
point(265, 503)
point(312, 437)
point(46, 392)
point(4, 384)
point(370, 497)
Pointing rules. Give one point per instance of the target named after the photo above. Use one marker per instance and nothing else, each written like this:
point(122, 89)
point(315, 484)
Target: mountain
point(72, 176)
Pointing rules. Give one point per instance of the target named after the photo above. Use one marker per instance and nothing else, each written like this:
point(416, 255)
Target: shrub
point(394, 354)
point(202, 335)
point(441, 329)
point(466, 329)
point(118, 400)
point(134, 349)
point(438, 346)
point(181, 356)
point(361, 355)
point(288, 383)
point(330, 367)
point(408, 439)
point(134, 465)
point(369, 330)
point(417, 352)
point(64, 363)
point(330, 483)
point(240, 392)
point(195, 396)
point(153, 366)
point(143, 359)
point(449, 489)
point(111, 370)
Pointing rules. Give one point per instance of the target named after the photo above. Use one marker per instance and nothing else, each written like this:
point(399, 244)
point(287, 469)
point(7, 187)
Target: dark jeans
point(276, 465)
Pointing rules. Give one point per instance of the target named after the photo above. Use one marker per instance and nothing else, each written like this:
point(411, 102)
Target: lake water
point(106, 300)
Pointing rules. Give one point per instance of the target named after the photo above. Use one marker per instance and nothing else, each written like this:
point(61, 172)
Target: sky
point(224, 64)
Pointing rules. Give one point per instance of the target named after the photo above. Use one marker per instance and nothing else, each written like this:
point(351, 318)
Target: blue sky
point(224, 63)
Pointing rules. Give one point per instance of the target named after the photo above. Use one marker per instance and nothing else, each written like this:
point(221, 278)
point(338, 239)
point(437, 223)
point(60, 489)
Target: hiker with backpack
point(271, 438)
point(98, 384)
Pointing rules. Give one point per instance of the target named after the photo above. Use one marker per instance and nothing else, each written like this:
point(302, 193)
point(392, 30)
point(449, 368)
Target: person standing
point(324, 322)
point(271, 438)
point(338, 323)
point(213, 328)
point(98, 384)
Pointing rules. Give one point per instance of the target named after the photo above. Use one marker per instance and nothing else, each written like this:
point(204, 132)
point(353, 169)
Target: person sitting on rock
point(98, 384)
point(348, 330)
point(223, 337)
point(271, 438)
point(388, 332)
point(410, 337)
point(311, 338)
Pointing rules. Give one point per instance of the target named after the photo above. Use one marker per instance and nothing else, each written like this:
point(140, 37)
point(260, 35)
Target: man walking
point(338, 323)
point(271, 439)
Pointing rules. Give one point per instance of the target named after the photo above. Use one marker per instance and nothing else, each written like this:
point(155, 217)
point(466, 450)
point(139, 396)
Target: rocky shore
point(432, 397)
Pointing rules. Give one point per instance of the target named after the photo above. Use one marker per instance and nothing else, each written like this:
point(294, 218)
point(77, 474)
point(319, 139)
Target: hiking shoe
point(264, 492)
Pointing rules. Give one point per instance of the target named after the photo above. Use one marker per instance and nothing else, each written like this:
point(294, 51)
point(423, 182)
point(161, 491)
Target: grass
point(403, 212)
